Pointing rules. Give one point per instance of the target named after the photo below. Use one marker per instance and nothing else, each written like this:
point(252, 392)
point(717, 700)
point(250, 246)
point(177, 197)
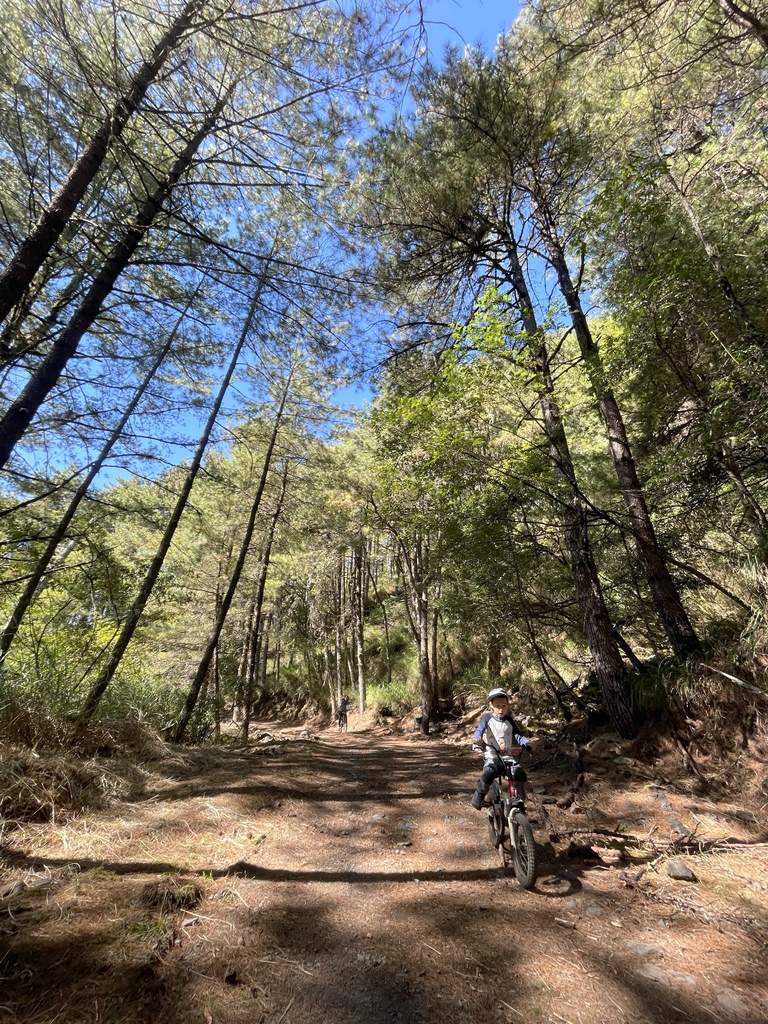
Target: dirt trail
point(345, 879)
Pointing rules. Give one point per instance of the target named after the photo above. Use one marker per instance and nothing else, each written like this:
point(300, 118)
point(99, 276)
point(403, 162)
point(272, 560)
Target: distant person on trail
point(344, 704)
point(497, 732)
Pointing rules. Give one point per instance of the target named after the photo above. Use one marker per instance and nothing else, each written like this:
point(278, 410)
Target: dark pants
point(490, 772)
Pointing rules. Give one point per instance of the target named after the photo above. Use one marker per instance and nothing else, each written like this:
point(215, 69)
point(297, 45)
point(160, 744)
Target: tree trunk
point(736, 306)
point(27, 597)
point(494, 655)
point(329, 680)
point(244, 664)
point(744, 19)
point(194, 689)
point(359, 606)
point(755, 514)
point(447, 650)
point(137, 608)
point(33, 251)
point(22, 411)
point(420, 597)
point(665, 596)
point(433, 651)
point(385, 619)
point(596, 623)
point(258, 640)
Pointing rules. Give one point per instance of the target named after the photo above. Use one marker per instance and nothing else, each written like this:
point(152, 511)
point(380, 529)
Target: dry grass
point(54, 779)
point(45, 787)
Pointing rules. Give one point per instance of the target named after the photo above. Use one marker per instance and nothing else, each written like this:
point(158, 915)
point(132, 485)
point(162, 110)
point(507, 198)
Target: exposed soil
point(341, 879)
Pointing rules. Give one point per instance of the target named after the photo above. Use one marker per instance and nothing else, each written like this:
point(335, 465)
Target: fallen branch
point(735, 679)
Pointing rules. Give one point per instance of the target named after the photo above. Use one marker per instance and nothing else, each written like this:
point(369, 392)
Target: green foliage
point(395, 698)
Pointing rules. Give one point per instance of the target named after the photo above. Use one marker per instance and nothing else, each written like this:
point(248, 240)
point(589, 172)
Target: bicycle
point(508, 825)
point(343, 720)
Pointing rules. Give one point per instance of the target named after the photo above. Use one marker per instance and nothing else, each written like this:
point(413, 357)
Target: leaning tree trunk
point(736, 307)
point(664, 592)
point(137, 608)
point(22, 411)
point(754, 512)
point(25, 600)
point(596, 622)
point(33, 251)
point(202, 668)
point(257, 640)
point(749, 23)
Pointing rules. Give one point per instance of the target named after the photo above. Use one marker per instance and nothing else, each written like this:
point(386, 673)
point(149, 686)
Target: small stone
point(549, 800)
point(642, 948)
point(731, 1002)
point(599, 770)
point(745, 816)
point(539, 789)
point(576, 809)
point(680, 978)
point(680, 872)
point(595, 911)
point(623, 760)
point(678, 828)
point(654, 973)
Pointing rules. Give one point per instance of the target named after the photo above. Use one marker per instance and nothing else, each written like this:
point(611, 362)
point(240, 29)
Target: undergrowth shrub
point(397, 697)
point(38, 788)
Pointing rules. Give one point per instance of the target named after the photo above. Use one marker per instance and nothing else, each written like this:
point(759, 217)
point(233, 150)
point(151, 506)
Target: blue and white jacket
point(499, 734)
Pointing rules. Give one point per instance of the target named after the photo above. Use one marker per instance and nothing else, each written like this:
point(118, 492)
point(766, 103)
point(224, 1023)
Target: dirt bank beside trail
point(342, 879)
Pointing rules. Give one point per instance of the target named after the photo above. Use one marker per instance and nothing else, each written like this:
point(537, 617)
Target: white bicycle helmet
point(498, 692)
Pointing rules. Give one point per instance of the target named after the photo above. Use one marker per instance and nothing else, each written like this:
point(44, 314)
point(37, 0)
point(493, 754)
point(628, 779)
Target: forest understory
point(344, 877)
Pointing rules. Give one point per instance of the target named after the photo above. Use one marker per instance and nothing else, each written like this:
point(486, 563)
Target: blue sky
point(461, 23)
point(467, 21)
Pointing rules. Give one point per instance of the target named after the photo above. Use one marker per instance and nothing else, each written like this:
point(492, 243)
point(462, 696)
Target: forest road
point(346, 880)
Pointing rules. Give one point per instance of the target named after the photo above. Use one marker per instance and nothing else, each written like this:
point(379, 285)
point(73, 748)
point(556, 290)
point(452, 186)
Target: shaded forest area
point(545, 265)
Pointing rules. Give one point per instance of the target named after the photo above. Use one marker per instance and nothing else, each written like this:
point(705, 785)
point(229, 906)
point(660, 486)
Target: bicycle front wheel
point(523, 850)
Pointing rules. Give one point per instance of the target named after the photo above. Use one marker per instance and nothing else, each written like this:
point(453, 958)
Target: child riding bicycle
point(344, 704)
point(496, 733)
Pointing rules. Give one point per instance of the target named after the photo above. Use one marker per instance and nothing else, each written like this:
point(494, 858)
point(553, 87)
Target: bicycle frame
point(511, 778)
point(508, 824)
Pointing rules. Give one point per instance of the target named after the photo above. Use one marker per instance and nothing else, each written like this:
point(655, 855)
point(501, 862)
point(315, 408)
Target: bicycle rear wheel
point(495, 826)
